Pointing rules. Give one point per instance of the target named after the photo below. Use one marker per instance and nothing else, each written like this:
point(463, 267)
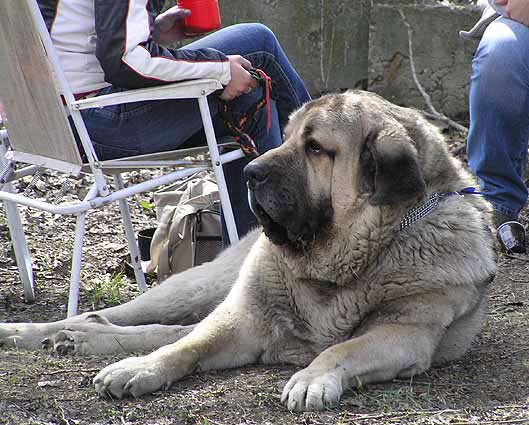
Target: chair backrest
point(39, 132)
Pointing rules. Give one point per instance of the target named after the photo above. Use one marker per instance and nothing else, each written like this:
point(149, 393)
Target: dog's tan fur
point(332, 284)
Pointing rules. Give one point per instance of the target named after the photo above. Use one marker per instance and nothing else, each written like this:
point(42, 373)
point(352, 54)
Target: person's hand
point(517, 10)
point(169, 26)
point(241, 81)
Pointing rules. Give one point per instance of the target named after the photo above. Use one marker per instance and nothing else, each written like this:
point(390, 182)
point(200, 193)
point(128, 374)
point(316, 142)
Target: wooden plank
point(37, 122)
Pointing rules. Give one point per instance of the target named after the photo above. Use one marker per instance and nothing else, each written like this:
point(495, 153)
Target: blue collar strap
point(422, 210)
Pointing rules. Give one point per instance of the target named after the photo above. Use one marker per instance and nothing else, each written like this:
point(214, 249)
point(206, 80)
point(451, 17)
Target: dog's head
point(343, 156)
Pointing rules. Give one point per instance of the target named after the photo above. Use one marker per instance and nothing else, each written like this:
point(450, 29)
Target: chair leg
point(131, 237)
point(75, 277)
point(20, 246)
point(217, 169)
point(77, 256)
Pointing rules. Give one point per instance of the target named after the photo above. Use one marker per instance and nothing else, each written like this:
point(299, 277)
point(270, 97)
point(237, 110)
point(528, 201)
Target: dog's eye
point(314, 147)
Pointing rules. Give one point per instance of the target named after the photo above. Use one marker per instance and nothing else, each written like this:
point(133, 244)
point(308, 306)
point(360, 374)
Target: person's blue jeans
point(499, 115)
point(156, 126)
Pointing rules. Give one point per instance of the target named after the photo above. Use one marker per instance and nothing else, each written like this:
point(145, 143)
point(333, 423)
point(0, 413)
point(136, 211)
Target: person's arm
point(131, 58)
point(169, 28)
point(517, 10)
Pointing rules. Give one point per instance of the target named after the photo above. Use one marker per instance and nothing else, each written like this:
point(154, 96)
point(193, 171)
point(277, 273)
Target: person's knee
point(498, 57)
point(258, 31)
point(261, 30)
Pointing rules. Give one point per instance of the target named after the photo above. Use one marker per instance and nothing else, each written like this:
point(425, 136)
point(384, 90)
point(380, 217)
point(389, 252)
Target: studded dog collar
point(422, 210)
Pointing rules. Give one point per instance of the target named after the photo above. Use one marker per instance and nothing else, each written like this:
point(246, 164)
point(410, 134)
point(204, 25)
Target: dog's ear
point(390, 169)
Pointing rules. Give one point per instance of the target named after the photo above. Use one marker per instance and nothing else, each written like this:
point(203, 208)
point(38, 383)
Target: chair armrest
point(182, 90)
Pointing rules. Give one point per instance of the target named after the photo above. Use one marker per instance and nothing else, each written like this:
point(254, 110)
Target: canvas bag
point(189, 225)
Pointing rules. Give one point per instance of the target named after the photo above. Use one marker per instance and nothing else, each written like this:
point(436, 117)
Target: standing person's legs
point(499, 116)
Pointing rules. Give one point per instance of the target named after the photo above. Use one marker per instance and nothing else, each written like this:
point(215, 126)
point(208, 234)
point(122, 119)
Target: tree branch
point(426, 96)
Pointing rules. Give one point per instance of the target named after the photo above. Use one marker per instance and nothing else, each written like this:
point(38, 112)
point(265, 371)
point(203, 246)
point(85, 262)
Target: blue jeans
point(156, 126)
point(499, 115)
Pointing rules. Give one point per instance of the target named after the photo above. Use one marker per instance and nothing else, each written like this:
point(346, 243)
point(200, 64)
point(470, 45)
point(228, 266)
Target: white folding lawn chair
point(39, 137)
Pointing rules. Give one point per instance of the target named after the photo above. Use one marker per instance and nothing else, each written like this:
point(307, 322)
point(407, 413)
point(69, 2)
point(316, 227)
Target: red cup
point(205, 16)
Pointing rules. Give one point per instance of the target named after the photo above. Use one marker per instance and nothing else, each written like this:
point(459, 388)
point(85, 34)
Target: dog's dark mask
point(279, 198)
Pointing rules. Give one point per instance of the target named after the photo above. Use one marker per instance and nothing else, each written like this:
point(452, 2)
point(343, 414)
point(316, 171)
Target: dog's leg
point(228, 337)
point(91, 334)
point(96, 335)
point(400, 340)
point(459, 336)
point(182, 299)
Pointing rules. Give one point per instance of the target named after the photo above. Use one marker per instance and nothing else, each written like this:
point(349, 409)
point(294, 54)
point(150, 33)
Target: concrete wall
point(327, 40)
point(339, 44)
point(442, 58)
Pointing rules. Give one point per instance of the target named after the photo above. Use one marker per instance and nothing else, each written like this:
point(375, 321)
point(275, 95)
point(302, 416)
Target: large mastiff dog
point(349, 279)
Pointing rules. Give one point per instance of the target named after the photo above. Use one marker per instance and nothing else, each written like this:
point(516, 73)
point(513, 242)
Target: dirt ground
point(489, 385)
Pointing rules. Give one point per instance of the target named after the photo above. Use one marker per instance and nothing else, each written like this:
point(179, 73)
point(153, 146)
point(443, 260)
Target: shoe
point(511, 236)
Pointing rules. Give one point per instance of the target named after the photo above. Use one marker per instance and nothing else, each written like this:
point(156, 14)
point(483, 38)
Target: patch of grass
point(146, 206)
point(107, 290)
point(397, 398)
point(111, 412)
point(394, 399)
point(187, 417)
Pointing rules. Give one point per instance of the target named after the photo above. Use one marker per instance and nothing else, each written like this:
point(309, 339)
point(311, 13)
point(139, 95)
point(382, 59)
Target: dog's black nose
point(255, 172)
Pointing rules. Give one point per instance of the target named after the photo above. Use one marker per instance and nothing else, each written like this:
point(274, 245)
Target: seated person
point(499, 117)
point(111, 46)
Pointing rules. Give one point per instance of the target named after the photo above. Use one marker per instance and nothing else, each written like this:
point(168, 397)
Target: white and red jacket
point(103, 42)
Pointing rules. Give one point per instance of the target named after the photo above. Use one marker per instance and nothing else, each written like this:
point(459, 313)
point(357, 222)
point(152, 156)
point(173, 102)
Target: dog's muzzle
point(262, 203)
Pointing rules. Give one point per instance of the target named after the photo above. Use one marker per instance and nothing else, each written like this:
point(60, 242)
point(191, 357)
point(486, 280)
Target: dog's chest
point(318, 314)
point(331, 312)
point(302, 311)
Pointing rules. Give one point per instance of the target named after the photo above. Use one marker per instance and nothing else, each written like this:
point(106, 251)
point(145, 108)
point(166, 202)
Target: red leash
point(267, 82)
point(236, 127)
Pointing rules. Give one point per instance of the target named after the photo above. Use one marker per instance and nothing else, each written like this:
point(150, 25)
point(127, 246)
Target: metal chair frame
point(47, 141)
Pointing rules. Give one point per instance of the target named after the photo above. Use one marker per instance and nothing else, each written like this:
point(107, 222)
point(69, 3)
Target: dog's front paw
point(134, 376)
point(312, 390)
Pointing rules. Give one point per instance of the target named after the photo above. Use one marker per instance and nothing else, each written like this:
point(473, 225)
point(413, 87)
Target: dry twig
point(433, 112)
point(62, 371)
